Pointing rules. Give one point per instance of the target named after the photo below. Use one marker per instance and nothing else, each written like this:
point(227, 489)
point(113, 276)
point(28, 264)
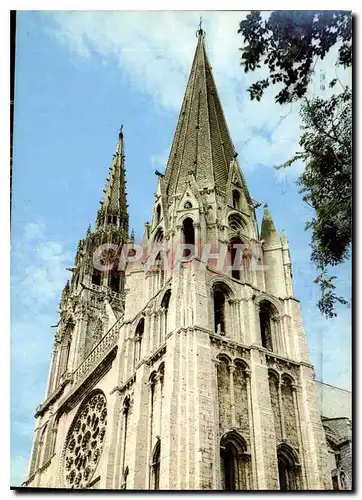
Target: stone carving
point(85, 441)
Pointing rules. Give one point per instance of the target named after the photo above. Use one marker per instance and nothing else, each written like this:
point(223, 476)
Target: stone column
point(251, 427)
point(216, 470)
point(300, 439)
point(197, 239)
point(281, 410)
point(150, 433)
point(232, 394)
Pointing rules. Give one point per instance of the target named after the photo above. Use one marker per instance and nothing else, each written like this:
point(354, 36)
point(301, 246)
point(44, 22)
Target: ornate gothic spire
point(202, 143)
point(114, 205)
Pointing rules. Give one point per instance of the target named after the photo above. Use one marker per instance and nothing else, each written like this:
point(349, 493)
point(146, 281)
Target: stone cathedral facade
point(168, 370)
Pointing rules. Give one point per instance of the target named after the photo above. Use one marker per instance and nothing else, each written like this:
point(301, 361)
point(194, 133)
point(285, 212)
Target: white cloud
point(38, 276)
point(42, 266)
point(154, 51)
point(33, 231)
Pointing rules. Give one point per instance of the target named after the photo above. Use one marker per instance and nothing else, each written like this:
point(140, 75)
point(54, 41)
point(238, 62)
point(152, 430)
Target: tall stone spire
point(268, 231)
point(114, 205)
point(202, 144)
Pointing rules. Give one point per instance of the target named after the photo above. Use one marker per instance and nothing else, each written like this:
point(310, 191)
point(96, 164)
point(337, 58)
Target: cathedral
point(181, 362)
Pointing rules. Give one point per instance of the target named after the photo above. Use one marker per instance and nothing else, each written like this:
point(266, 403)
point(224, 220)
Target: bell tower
point(188, 368)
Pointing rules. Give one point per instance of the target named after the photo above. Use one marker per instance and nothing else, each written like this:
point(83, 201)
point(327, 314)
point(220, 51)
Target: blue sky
point(79, 76)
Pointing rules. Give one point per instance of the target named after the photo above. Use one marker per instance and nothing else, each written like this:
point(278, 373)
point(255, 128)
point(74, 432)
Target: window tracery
point(85, 441)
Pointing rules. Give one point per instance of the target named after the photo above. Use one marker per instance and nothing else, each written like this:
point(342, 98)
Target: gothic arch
point(222, 284)
point(152, 377)
point(289, 377)
point(158, 213)
point(236, 222)
point(234, 461)
point(155, 466)
point(242, 362)
point(237, 439)
point(187, 215)
point(138, 337)
point(159, 236)
point(221, 293)
point(126, 402)
point(290, 451)
point(289, 470)
point(236, 197)
point(188, 231)
point(263, 297)
point(224, 357)
point(166, 297)
point(272, 371)
point(161, 369)
point(269, 325)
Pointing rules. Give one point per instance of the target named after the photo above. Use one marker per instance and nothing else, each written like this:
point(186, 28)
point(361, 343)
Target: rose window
point(85, 441)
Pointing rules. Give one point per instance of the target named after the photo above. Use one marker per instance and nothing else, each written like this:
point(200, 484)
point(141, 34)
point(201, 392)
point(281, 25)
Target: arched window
point(220, 292)
point(155, 466)
point(96, 277)
point(266, 314)
point(114, 281)
point(160, 268)
point(165, 305)
point(236, 199)
point(126, 407)
point(41, 447)
point(158, 214)
point(235, 250)
point(138, 340)
point(159, 237)
point(236, 223)
point(188, 205)
point(53, 440)
point(288, 470)
point(219, 311)
point(234, 463)
point(188, 237)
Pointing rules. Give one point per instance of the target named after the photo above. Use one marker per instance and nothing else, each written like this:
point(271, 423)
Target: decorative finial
point(120, 135)
point(200, 33)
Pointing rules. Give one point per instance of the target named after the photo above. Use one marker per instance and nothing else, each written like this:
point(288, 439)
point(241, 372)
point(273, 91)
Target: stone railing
point(98, 353)
point(104, 289)
point(104, 346)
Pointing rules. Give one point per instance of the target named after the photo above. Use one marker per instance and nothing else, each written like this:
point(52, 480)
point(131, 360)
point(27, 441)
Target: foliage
point(289, 44)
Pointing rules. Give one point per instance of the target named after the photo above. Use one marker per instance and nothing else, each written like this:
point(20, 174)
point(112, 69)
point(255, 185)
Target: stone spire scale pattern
point(202, 144)
point(114, 205)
